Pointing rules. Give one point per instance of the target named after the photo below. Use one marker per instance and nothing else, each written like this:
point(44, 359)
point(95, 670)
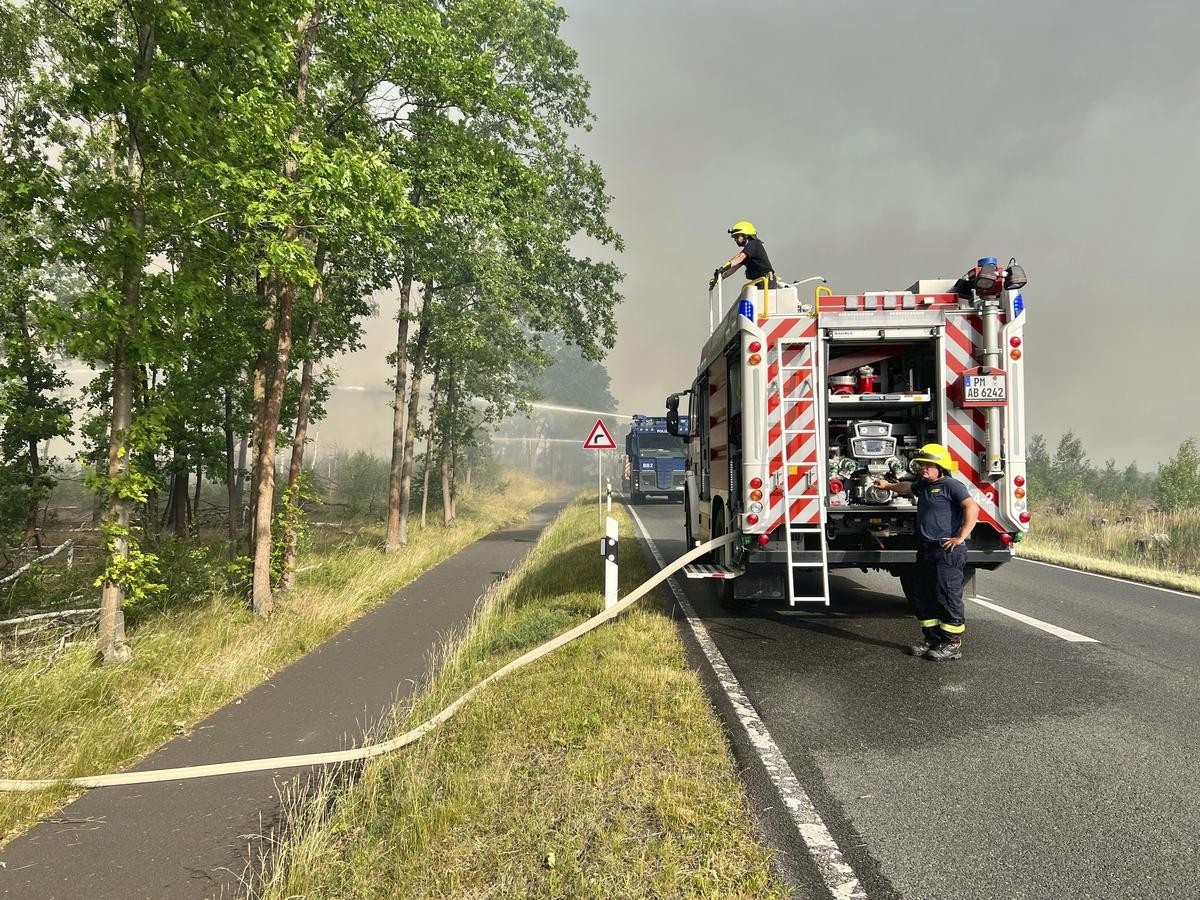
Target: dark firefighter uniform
point(934, 586)
point(757, 264)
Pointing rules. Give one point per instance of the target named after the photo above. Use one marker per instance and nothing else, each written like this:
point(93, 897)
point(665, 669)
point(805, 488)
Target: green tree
point(1178, 485)
point(506, 200)
point(1039, 469)
point(1110, 483)
point(31, 410)
point(1070, 471)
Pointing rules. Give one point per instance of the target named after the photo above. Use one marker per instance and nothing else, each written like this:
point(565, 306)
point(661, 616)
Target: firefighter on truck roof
point(751, 254)
point(946, 514)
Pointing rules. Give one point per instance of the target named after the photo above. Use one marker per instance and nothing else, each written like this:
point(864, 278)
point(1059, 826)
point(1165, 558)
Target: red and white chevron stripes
point(794, 459)
point(966, 432)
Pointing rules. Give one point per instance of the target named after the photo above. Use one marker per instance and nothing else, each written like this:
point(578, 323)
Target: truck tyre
point(689, 539)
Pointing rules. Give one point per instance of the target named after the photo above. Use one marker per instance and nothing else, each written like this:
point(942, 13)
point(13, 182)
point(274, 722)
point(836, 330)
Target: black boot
point(930, 641)
point(948, 649)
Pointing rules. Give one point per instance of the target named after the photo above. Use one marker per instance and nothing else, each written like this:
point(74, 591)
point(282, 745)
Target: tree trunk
point(240, 492)
point(35, 485)
point(414, 404)
point(110, 634)
point(261, 600)
point(290, 537)
point(433, 402)
point(100, 500)
point(110, 638)
point(143, 384)
point(179, 502)
point(35, 464)
point(284, 292)
point(450, 449)
point(231, 488)
point(262, 374)
point(168, 513)
point(399, 410)
point(194, 511)
point(447, 513)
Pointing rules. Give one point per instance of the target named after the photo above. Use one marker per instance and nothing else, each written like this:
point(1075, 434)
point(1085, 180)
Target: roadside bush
point(191, 574)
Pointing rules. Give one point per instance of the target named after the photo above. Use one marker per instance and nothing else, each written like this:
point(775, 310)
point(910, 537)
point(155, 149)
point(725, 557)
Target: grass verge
point(1099, 539)
point(1046, 550)
point(71, 717)
point(599, 771)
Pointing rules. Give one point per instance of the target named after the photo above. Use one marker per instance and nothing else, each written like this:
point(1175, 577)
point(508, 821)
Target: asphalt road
point(193, 839)
point(1035, 767)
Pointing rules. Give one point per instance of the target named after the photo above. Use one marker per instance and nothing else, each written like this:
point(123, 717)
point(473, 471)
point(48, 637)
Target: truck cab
point(654, 460)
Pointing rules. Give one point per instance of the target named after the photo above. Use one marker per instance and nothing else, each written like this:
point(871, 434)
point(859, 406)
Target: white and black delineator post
point(608, 490)
point(608, 549)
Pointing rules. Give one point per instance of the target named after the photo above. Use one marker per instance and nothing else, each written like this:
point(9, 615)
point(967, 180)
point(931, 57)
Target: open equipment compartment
point(883, 404)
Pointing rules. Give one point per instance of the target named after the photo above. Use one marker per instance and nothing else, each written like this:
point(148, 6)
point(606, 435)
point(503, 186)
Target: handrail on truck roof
point(716, 314)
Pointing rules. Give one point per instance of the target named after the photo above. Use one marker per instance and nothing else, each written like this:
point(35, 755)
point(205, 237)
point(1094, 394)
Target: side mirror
point(673, 416)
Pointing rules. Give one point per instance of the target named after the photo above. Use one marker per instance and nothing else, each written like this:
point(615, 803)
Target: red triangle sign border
point(599, 438)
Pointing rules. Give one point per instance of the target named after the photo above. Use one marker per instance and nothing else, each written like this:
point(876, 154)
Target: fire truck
point(802, 401)
point(654, 459)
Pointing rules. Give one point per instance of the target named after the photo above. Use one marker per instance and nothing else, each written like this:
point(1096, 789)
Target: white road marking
point(1067, 635)
point(1142, 584)
point(837, 874)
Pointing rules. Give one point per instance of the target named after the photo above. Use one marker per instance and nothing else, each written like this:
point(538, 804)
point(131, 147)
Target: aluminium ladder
point(813, 479)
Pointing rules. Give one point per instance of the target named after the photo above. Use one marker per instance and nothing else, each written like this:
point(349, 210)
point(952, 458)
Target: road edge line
point(839, 877)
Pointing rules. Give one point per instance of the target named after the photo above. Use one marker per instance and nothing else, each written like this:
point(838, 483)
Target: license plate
point(980, 388)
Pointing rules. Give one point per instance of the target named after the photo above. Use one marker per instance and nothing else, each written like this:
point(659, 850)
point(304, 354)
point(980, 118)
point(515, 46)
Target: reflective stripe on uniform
point(930, 623)
point(952, 629)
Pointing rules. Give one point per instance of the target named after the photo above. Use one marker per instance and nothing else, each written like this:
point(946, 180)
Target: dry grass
point(599, 771)
point(1080, 540)
point(76, 718)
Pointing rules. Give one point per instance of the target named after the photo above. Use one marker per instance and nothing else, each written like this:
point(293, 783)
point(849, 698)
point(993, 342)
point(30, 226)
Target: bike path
point(193, 839)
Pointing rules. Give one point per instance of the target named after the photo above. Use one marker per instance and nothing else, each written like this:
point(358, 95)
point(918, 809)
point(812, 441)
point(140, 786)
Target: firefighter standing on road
point(752, 254)
point(946, 514)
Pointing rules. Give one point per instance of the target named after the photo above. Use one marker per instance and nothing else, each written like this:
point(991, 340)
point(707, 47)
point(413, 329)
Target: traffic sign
point(599, 438)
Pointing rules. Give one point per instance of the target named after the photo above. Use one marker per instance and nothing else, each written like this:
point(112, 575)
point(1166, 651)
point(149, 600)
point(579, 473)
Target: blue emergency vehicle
point(654, 459)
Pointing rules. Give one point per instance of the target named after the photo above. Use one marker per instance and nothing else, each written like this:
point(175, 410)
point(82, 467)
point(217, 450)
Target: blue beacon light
point(746, 308)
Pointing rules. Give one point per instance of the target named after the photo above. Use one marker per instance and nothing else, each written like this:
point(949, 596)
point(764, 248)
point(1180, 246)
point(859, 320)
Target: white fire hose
point(371, 750)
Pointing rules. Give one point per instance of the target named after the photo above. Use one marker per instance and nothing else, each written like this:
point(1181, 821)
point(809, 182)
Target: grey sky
point(875, 143)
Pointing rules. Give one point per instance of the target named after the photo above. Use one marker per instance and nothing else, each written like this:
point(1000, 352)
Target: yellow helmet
point(938, 455)
point(746, 228)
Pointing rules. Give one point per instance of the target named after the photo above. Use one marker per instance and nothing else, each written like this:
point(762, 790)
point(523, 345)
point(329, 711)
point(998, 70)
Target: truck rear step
point(706, 570)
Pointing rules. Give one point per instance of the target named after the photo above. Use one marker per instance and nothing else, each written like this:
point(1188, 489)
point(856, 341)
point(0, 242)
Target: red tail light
point(1006, 539)
point(1024, 517)
point(756, 483)
point(1019, 481)
point(1015, 341)
point(755, 346)
point(751, 519)
point(764, 539)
